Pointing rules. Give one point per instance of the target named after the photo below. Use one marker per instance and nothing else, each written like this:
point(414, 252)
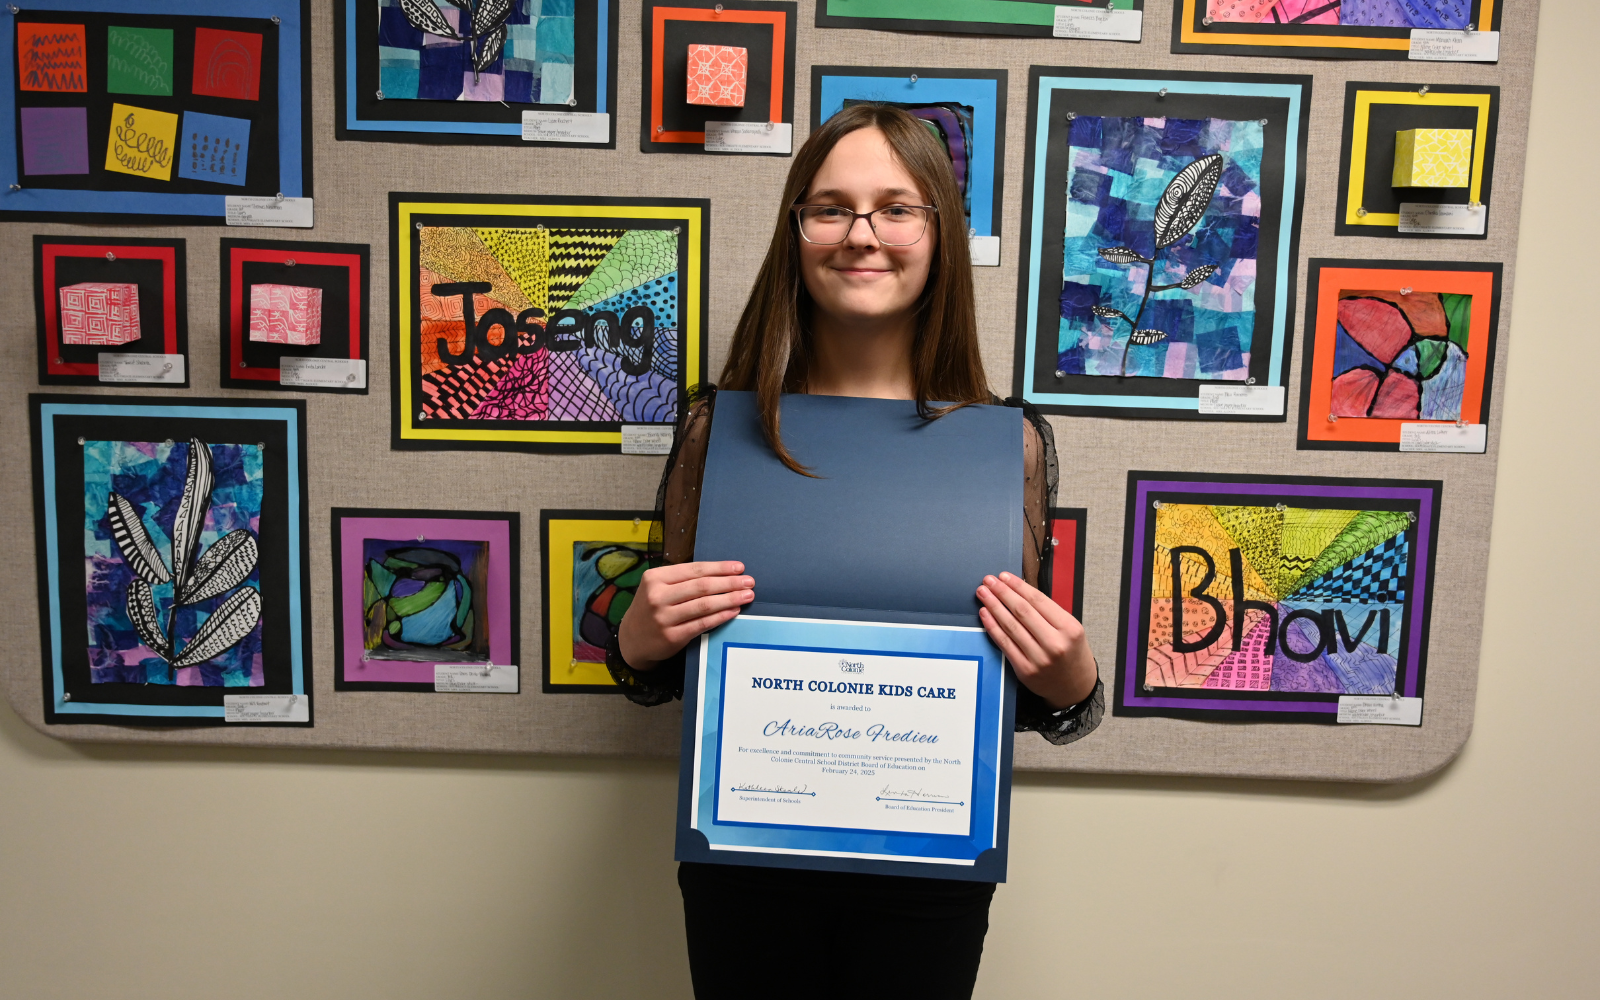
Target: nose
point(861, 233)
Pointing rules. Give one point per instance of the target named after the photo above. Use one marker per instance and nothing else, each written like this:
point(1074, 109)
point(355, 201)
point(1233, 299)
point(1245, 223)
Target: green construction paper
point(139, 61)
point(1458, 310)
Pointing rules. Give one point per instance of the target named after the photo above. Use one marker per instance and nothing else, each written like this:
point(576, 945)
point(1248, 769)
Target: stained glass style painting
point(1272, 598)
point(593, 562)
point(545, 324)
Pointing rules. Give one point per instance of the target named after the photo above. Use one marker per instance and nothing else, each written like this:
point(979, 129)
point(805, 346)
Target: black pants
point(774, 933)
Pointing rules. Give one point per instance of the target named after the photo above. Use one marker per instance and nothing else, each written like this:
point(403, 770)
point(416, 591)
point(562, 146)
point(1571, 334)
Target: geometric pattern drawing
point(1288, 588)
point(1433, 158)
point(1454, 14)
point(286, 314)
point(519, 51)
point(99, 313)
point(717, 75)
point(1321, 29)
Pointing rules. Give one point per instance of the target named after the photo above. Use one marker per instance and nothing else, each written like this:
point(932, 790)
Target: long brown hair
point(772, 345)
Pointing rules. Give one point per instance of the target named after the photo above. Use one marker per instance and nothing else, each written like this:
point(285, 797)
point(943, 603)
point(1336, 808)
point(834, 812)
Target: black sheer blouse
point(678, 508)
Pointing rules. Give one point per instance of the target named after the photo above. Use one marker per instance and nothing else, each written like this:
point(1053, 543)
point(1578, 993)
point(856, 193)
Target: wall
point(172, 872)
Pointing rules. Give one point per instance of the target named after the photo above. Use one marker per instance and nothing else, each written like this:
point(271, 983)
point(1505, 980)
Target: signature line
point(936, 802)
point(770, 791)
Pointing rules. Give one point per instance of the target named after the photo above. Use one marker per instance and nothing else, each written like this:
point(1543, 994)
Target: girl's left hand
point(1045, 645)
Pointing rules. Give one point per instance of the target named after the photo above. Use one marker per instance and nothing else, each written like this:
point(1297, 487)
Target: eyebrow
point(881, 192)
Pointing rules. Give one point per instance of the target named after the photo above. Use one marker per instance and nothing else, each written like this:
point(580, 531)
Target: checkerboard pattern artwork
point(717, 75)
point(1433, 158)
point(286, 314)
point(99, 313)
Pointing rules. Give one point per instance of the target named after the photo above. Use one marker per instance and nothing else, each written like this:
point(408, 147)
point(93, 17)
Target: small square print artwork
point(717, 75)
point(286, 314)
point(215, 148)
point(55, 141)
point(51, 58)
point(99, 313)
point(425, 601)
point(141, 142)
point(227, 64)
point(139, 61)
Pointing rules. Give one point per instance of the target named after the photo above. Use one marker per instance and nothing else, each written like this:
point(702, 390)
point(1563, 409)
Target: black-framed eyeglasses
point(893, 225)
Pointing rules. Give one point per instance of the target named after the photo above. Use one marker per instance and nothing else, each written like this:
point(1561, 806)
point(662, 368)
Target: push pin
point(1280, 508)
point(660, 129)
point(421, 539)
point(572, 102)
point(1060, 373)
point(68, 695)
point(1156, 504)
point(1422, 91)
point(1207, 21)
point(1469, 29)
point(636, 522)
point(262, 445)
point(972, 233)
point(82, 441)
point(719, 8)
point(289, 262)
point(1362, 211)
point(380, 95)
point(913, 78)
point(59, 361)
point(279, 198)
point(1460, 422)
point(419, 227)
point(676, 230)
point(1474, 205)
point(16, 187)
point(13, 8)
point(275, 19)
point(110, 255)
point(1162, 92)
point(1406, 290)
point(1264, 123)
point(1149, 687)
point(769, 126)
point(1072, 116)
point(1333, 418)
point(166, 368)
point(241, 364)
point(1411, 516)
point(422, 416)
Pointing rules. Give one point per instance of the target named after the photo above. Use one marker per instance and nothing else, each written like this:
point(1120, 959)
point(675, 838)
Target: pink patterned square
point(717, 75)
point(99, 313)
point(286, 314)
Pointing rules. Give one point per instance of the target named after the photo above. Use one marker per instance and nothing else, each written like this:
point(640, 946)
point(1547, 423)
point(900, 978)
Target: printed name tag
point(1449, 220)
point(323, 373)
point(1242, 400)
point(475, 678)
point(165, 368)
point(266, 210)
point(1468, 439)
point(1099, 24)
point(646, 439)
point(266, 708)
point(1380, 710)
point(749, 137)
point(985, 251)
point(566, 126)
point(1444, 45)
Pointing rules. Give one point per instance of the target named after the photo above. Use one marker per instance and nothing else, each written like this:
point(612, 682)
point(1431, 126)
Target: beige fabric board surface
point(350, 463)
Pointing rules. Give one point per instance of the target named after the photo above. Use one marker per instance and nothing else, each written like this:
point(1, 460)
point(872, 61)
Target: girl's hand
point(1046, 646)
point(673, 604)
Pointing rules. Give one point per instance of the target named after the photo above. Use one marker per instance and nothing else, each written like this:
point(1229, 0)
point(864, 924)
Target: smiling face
point(861, 280)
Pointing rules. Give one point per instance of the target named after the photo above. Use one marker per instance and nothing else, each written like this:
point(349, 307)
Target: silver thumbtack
point(1264, 123)
point(68, 695)
point(574, 664)
point(1474, 205)
point(16, 187)
point(166, 367)
point(421, 540)
point(1280, 508)
point(1362, 211)
point(1149, 687)
point(1460, 422)
point(262, 445)
point(1060, 374)
point(1406, 290)
point(660, 129)
point(241, 364)
point(1162, 92)
point(572, 102)
point(1411, 516)
point(289, 262)
point(275, 19)
point(1207, 21)
point(913, 78)
point(350, 377)
point(719, 8)
point(1333, 418)
point(1250, 381)
point(1156, 504)
point(769, 126)
point(1072, 116)
point(419, 226)
point(13, 8)
point(380, 95)
point(1422, 91)
point(636, 522)
point(676, 230)
point(61, 362)
point(422, 416)
point(1470, 28)
point(110, 255)
point(81, 441)
point(280, 197)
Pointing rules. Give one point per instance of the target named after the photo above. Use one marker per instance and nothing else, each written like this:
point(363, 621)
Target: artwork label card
point(260, 210)
point(749, 137)
point(1363, 709)
point(476, 678)
point(984, 250)
point(646, 439)
point(1099, 24)
point(1243, 400)
point(1442, 45)
point(564, 126)
point(260, 708)
point(163, 368)
point(1466, 439)
point(1450, 220)
point(323, 373)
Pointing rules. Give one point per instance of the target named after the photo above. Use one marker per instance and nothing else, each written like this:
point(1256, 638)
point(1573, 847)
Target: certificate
point(860, 746)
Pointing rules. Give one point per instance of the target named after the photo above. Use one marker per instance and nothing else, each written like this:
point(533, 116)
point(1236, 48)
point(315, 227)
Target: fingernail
point(747, 582)
point(1005, 576)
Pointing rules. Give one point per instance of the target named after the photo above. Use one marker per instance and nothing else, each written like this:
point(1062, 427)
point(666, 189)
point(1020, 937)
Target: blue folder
point(904, 518)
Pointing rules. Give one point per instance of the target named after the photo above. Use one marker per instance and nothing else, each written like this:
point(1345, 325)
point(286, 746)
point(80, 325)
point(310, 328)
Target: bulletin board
point(350, 463)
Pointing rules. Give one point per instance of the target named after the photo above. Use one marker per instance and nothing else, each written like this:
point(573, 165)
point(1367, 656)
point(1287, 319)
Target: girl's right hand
point(674, 604)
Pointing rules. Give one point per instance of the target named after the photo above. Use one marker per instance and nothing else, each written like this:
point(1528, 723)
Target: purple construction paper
point(1136, 586)
point(55, 141)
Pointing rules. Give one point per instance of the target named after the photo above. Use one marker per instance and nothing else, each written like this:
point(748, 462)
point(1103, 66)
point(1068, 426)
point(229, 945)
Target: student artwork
point(543, 324)
point(1417, 148)
point(1024, 18)
point(124, 296)
point(464, 71)
point(714, 62)
point(1321, 29)
point(417, 588)
point(965, 109)
point(1160, 238)
point(1271, 598)
point(1061, 576)
point(1395, 342)
point(156, 113)
point(592, 561)
point(172, 541)
point(295, 315)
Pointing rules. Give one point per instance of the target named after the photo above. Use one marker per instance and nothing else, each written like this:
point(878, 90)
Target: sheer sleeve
point(677, 514)
point(1041, 474)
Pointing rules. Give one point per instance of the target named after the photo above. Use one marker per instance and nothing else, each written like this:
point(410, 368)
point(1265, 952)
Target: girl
point(866, 290)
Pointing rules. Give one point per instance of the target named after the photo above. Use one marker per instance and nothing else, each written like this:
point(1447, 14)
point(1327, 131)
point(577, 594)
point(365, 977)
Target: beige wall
point(176, 873)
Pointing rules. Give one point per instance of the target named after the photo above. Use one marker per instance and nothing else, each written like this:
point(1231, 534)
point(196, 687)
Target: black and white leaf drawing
point(424, 16)
point(489, 15)
point(1186, 198)
point(1183, 204)
point(483, 26)
point(192, 509)
point(223, 630)
point(134, 542)
point(489, 47)
point(226, 564)
point(146, 620)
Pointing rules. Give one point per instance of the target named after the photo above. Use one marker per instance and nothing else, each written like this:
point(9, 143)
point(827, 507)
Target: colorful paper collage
point(965, 109)
point(72, 331)
point(1024, 18)
point(1340, 29)
point(544, 324)
point(1160, 238)
point(156, 114)
point(416, 588)
point(295, 299)
point(1254, 597)
point(434, 71)
point(592, 561)
point(1376, 117)
point(173, 545)
point(1392, 342)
